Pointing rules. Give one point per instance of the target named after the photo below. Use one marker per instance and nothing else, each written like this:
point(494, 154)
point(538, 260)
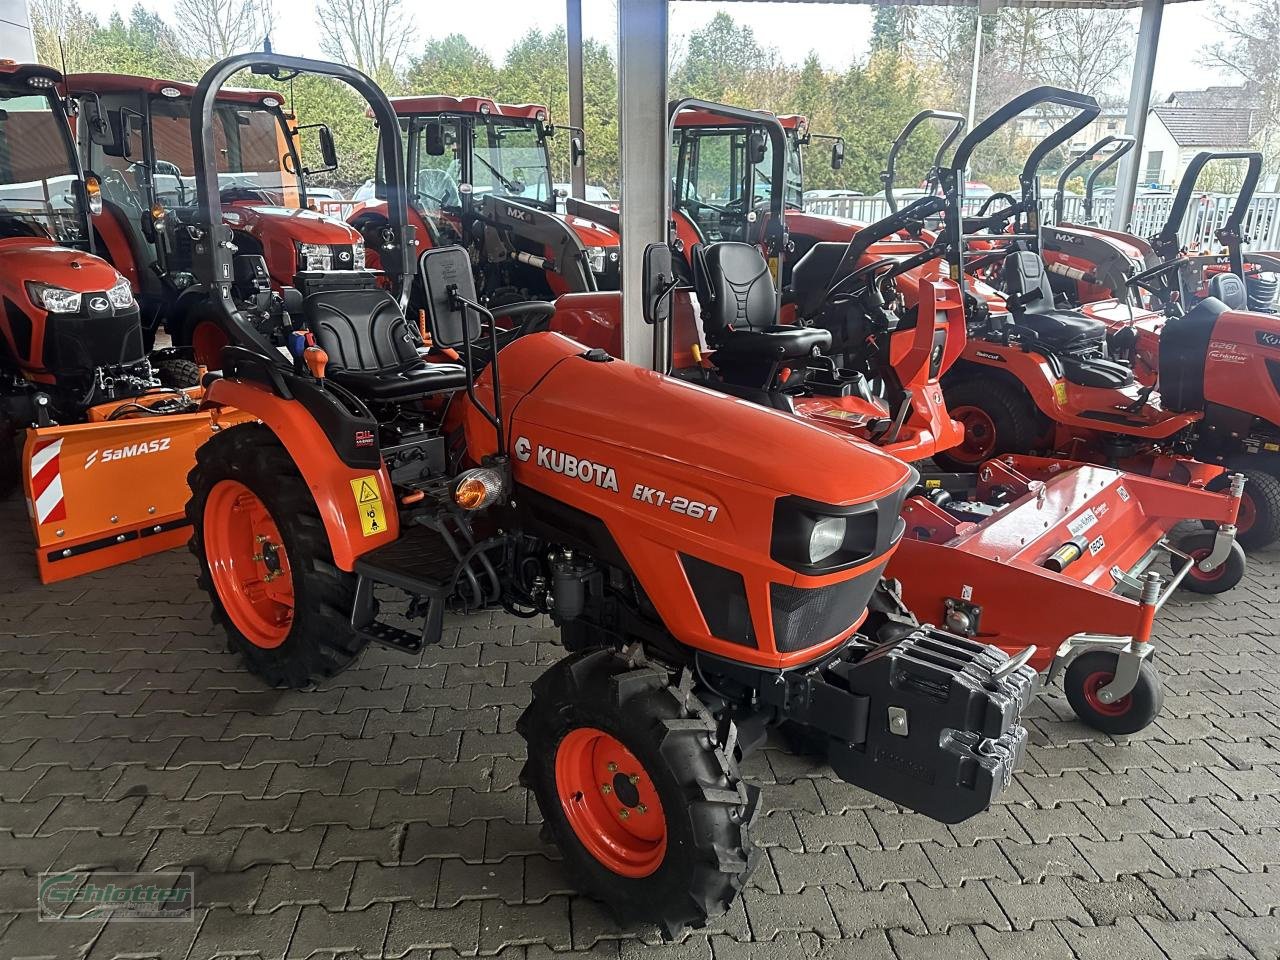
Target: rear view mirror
point(328, 150)
point(837, 155)
point(434, 139)
point(446, 277)
point(757, 146)
point(658, 279)
point(576, 151)
point(118, 141)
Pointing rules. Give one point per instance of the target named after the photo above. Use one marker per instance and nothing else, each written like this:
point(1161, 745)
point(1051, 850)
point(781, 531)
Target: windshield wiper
point(499, 174)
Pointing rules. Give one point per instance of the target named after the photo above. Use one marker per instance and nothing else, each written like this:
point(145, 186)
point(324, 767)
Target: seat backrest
point(734, 288)
point(361, 330)
point(1230, 289)
point(1184, 348)
point(1025, 276)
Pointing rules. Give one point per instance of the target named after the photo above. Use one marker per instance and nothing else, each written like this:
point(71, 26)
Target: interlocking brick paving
point(379, 816)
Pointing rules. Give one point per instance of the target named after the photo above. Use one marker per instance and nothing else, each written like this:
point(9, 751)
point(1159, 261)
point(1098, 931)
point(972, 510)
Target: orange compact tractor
point(104, 444)
point(480, 176)
point(707, 588)
point(986, 552)
point(1082, 383)
point(135, 134)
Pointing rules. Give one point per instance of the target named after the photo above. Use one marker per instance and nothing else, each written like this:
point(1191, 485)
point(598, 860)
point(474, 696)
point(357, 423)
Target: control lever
point(316, 360)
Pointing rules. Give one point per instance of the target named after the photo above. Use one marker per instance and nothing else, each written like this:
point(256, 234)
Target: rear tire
point(997, 417)
point(177, 373)
point(1091, 671)
point(301, 633)
point(1259, 520)
point(1219, 580)
point(679, 871)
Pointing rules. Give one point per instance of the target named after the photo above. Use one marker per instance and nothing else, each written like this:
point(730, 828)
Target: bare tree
point(62, 32)
point(371, 35)
point(1086, 50)
point(1250, 53)
point(215, 29)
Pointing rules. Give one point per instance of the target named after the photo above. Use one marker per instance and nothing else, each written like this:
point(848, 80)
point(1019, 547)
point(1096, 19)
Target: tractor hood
point(42, 261)
point(301, 226)
point(280, 229)
point(591, 234)
point(615, 413)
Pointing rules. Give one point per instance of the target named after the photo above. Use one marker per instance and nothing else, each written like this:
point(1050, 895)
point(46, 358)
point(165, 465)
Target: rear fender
point(354, 521)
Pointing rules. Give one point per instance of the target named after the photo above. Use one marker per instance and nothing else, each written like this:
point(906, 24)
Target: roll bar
point(952, 177)
point(957, 122)
point(213, 250)
point(1167, 243)
point(1124, 143)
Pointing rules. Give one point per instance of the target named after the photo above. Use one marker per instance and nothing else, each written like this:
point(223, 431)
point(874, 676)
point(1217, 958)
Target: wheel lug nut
point(642, 809)
point(613, 768)
point(634, 778)
point(606, 789)
point(624, 813)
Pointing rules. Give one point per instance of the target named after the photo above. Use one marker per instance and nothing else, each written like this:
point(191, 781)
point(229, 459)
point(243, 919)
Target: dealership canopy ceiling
point(1104, 4)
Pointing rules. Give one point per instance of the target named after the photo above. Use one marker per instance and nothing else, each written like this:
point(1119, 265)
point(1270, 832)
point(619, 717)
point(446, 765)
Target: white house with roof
point(1190, 121)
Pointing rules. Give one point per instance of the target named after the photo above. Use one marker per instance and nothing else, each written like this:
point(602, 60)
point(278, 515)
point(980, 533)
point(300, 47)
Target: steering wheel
point(986, 204)
point(1146, 278)
point(529, 316)
point(250, 194)
point(437, 185)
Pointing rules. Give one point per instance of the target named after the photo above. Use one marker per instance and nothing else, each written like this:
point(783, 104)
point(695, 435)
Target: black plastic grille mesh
point(805, 617)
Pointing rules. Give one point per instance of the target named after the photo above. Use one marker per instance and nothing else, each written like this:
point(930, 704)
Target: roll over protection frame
point(1124, 143)
point(952, 177)
point(777, 236)
point(213, 256)
point(1167, 243)
point(957, 122)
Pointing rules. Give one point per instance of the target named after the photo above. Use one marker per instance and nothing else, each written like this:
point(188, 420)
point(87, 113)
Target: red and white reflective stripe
point(46, 483)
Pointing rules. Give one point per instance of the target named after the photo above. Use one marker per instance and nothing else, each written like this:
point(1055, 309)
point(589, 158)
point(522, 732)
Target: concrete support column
point(573, 30)
point(1144, 68)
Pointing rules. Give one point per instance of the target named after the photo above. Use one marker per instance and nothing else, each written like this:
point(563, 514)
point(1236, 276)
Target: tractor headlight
point(595, 256)
point(121, 295)
point(314, 256)
point(826, 537)
point(54, 299)
point(357, 255)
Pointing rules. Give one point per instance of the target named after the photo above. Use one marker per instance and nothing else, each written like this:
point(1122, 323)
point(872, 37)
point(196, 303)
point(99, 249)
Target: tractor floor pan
point(989, 579)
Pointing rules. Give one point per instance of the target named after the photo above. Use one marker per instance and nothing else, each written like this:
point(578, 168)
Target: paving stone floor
point(379, 816)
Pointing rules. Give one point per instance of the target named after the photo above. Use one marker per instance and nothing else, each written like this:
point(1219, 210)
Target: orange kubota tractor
point(104, 444)
point(480, 176)
point(707, 588)
point(134, 133)
point(879, 323)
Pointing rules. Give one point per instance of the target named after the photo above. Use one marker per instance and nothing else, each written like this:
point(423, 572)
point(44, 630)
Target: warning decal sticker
point(369, 502)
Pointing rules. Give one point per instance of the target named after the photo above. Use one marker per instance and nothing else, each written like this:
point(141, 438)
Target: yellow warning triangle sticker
point(367, 493)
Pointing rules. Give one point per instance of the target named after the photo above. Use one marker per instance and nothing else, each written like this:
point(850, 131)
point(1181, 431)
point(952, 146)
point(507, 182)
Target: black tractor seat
point(740, 314)
point(1031, 302)
point(373, 351)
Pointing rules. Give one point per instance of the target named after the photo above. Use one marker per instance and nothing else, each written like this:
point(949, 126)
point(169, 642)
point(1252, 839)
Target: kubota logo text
point(123, 453)
point(567, 464)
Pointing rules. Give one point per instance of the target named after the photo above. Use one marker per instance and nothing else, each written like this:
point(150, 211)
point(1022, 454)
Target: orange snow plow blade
point(110, 491)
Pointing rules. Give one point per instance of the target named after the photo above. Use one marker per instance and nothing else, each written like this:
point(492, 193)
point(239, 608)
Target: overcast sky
point(837, 32)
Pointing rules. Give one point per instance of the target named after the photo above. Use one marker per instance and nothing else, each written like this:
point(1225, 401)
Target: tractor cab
point(479, 176)
point(135, 134)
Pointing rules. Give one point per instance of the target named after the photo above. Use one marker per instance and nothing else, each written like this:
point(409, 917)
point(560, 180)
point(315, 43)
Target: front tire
point(1218, 580)
point(177, 372)
point(1258, 524)
point(1092, 671)
point(634, 785)
point(997, 418)
point(265, 560)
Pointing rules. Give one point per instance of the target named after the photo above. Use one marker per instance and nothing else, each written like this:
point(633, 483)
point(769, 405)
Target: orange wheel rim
point(979, 434)
point(248, 563)
point(611, 802)
point(207, 341)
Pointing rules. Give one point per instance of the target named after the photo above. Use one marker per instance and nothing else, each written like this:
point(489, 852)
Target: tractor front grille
point(805, 617)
